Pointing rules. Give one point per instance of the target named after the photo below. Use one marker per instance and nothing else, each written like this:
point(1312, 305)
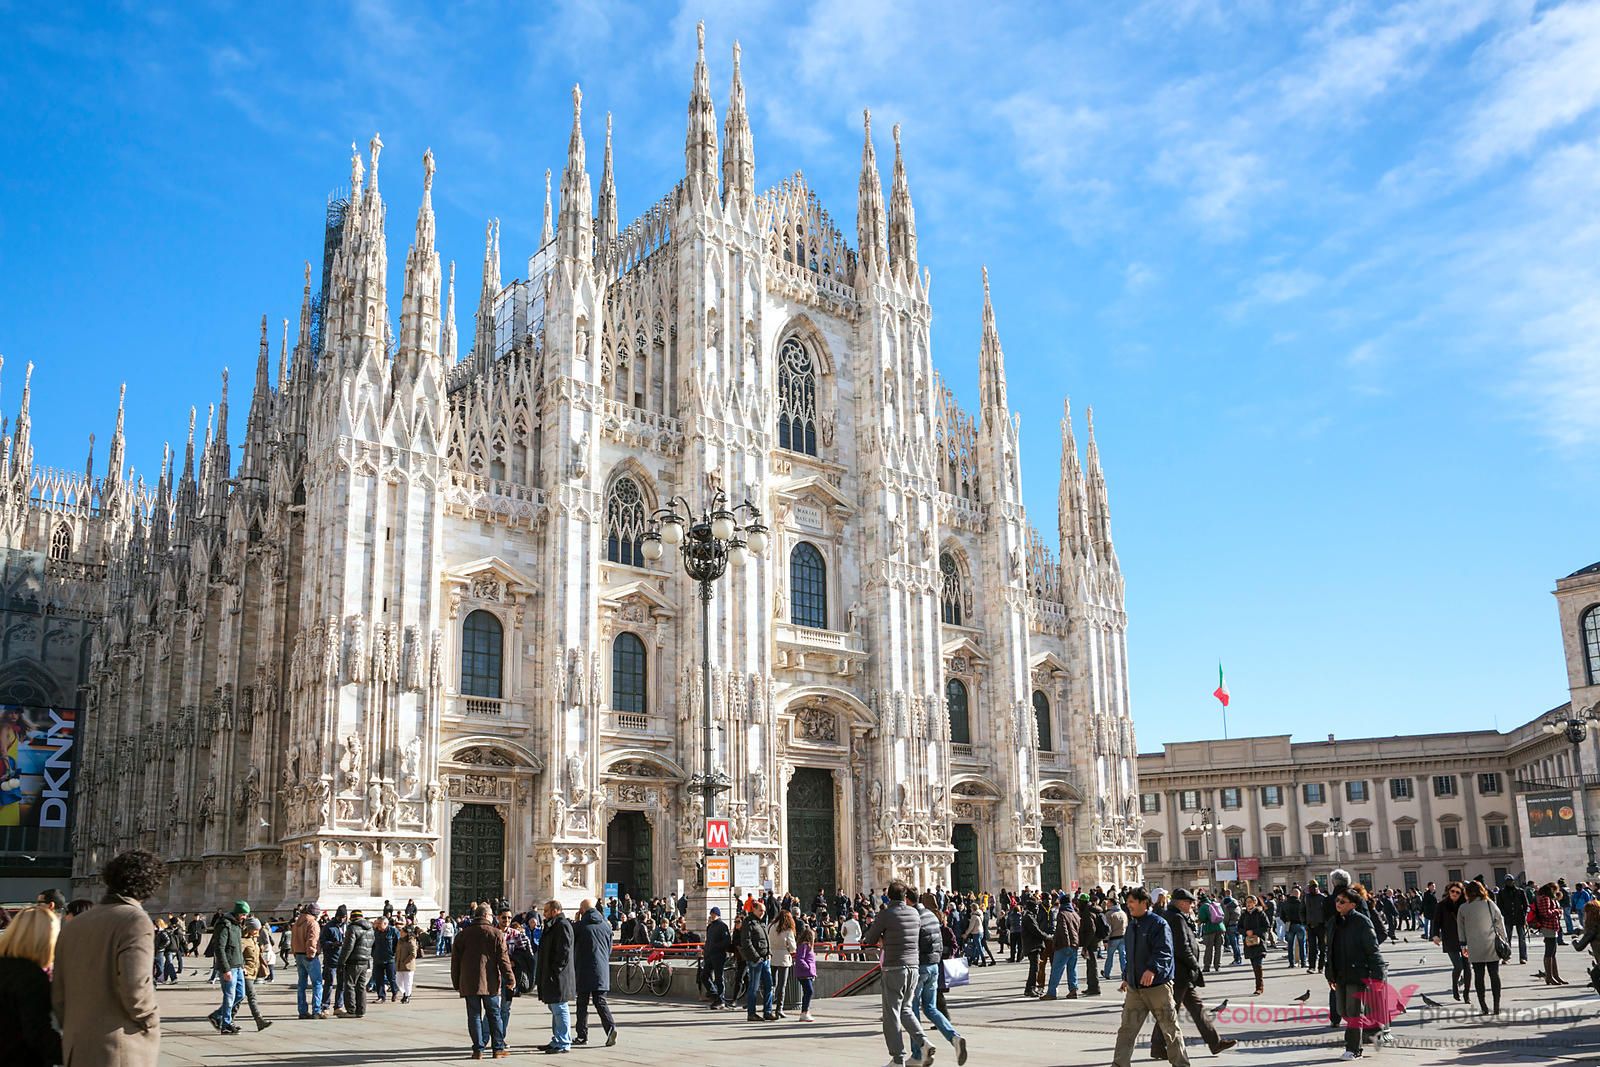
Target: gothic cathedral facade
point(409, 646)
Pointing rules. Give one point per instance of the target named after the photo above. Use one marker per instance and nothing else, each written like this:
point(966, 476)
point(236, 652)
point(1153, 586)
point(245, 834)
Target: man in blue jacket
point(1147, 982)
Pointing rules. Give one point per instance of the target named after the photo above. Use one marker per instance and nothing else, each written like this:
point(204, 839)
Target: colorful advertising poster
point(1551, 813)
point(36, 766)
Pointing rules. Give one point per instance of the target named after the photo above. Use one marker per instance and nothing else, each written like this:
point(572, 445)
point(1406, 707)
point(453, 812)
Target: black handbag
point(1502, 948)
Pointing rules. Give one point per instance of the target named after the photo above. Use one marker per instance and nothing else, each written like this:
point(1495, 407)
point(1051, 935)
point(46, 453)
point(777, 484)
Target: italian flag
point(1221, 692)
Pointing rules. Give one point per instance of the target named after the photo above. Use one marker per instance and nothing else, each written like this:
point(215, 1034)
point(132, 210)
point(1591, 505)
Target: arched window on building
point(1589, 632)
point(625, 523)
point(61, 542)
point(949, 589)
point(1041, 719)
point(955, 699)
point(627, 674)
point(481, 640)
point(797, 398)
point(808, 587)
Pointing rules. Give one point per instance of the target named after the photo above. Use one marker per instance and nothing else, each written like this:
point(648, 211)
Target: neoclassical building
point(405, 643)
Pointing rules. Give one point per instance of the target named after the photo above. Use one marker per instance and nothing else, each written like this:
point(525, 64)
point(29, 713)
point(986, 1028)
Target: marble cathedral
point(406, 643)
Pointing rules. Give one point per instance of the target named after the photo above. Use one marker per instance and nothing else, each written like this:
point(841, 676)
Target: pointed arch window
point(955, 700)
point(949, 589)
point(628, 668)
point(481, 641)
point(625, 523)
point(1041, 721)
point(808, 587)
point(1591, 643)
point(797, 398)
point(61, 542)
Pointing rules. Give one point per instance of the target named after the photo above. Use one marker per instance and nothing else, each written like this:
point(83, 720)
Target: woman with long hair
point(1546, 920)
point(805, 970)
point(784, 941)
point(1254, 927)
point(1482, 929)
point(27, 953)
point(1447, 935)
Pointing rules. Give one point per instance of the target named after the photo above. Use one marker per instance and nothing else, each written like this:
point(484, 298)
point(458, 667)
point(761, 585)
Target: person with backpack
point(1513, 905)
point(1116, 921)
point(1211, 928)
point(1317, 913)
point(1230, 924)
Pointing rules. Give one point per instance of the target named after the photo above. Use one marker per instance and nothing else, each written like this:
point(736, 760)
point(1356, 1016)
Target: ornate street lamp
point(1574, 725)
point(1336, 833)
point(1205, 821)
point(709, 543)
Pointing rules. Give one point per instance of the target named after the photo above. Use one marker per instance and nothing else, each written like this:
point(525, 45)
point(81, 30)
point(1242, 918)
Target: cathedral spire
point(21, 440)
point(575, 233)
point(483, 339)
point(419, 304)
point(608, 192)
point(88, 466)
point(1099, 506)
point(448, 341)
point(283, 359)
point(356, 171)
point(118, 442)
point(1071, 514)
point(739, 165)
point(991, 363)
point(263, 392)
point(548, 232)
point(869, 205)
point(186, 497)
point(220, 463)
point(302, 346)
point(902, 219)
point(700, 146)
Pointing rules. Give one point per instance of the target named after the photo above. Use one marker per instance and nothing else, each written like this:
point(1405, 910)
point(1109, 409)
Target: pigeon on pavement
point(1303, 997)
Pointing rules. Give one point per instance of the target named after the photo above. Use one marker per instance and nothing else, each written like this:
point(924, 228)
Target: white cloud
point(1544, 76)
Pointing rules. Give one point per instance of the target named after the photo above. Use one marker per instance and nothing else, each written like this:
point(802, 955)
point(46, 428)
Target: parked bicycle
point(642, 971)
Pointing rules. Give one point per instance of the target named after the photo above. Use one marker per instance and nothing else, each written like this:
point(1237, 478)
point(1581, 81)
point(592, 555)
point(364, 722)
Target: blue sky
point(1327, 272)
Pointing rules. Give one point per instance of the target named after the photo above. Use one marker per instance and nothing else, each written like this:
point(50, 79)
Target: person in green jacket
point(228, 947)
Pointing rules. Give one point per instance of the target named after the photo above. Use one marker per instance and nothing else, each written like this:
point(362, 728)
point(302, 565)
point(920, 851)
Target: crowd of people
point(78, 978)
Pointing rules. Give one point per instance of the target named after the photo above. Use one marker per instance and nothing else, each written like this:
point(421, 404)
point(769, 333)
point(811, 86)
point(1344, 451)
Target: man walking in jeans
point(896, 928)
point(228, 945)
point(303, 943)
point(480, 971)
point(1147, 982)
point(756, 949)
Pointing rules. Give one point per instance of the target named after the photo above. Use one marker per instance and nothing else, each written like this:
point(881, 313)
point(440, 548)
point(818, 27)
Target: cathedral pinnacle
point(356, 171)
point(448, 347)
point(608, 191)
point(483, 338)
point(1071, 505)
point(991, 362)
point(739, 165)
point(902, 219)
point(575, 225)
point(700, 146)
point(548, 232)
point(376, 146)
point(869, 205)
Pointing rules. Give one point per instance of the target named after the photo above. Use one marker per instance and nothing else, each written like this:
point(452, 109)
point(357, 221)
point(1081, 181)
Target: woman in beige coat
point(103, 991)
point(405, 962)
point(1479, 924)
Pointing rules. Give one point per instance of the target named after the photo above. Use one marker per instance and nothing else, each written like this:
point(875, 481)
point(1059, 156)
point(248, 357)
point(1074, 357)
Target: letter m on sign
point(717, 835)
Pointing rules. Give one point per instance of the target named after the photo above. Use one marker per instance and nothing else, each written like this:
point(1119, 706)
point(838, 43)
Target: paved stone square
point(1001, 1027)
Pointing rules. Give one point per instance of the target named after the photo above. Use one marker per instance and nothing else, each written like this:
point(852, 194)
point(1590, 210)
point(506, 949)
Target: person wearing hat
point(255, 966)
point(228, 948)
point(1187, 975)
point(355, 961)
point(719, 940)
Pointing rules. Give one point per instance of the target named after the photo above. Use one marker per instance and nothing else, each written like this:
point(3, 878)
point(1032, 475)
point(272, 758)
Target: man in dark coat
point(355, 962)
point(718, 942)
point(1319, 909)
point(1034, 938)
point(1092, 930)
point(1513, 904)
point(480, 971)
point(591, 952)
point(385, 939)
point(227, 947)
point(557, 980)
point(330, 942)
point(1353, 962)
point(1188, 973)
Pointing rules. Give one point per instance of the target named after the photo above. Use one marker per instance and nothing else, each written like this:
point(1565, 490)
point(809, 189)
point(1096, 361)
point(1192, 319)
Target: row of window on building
point(1498, 835)
point(1356, 791)
point(482, 659)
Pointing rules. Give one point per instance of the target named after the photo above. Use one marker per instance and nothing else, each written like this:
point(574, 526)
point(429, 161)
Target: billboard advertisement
point(1551, 813)
point(36, 767)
